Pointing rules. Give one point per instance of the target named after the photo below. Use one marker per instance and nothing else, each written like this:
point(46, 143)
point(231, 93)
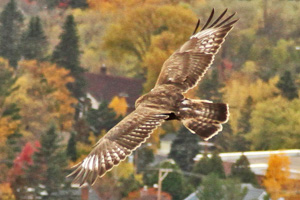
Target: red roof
point(147, 194)
point(104, 87)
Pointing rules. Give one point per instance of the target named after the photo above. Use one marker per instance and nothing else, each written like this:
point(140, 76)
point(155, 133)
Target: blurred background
point(71, 69)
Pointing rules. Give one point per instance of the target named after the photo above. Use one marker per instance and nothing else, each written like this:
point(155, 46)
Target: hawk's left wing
point(118, 143)
point(185, 67)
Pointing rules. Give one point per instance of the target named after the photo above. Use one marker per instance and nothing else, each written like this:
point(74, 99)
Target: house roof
point(147, 194)
point(252, 193)
point(259, 160)
point(103, 87)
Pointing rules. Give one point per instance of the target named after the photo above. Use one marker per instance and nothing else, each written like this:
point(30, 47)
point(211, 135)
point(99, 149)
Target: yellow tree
point(7, 124)
point(277, 180)
point(9, 116)
point(242, 85)
point(275, 124)
point(6, 192)
point(117, 5)
point(147, 35)
point(43, 98)
point(119, 105)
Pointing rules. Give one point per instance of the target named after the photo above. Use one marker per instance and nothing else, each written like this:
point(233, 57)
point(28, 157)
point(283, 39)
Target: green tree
point(244, 124)
point(48, 168)
point(67, 55)
point(174, 183)
point(210, 86)
point(33, 41)
point(216, 164)
point(71, 148)
point(287, 86)
point(78, 3)
point(223, 141)
point(48, 4)
point(241, 143)
point(241, 170)
point(233, 190)
point(11, 20)
point(207, 166)
point(145, 157)
point(184, 148)
point(276, 123)
point(9, 118)
point(211, 188)
point(103, 118)
point(201, 167)
point(129, 184)
point(7, 87)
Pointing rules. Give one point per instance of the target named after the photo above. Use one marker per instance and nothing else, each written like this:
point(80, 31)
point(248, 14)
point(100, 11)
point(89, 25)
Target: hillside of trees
point(47, 124)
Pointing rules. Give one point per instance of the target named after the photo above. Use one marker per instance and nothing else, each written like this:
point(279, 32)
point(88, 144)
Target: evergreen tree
point(240, 143)
point(174, 183)
point(184, 148)
point(203, 166)
point(103, 118)
point(82, 129)
point(33, 41)
point(145, 157)
point(48, 4)
point(241, 170)
point(207, 166)
point(223, 141)
point(233, 190)
point(244, 124)
point(46, 174)
point(11, 20)
point(78, 3)
point(67, 54)
point(211, 188)
point(71, 148)
point(129, 184)
point(9, 110)
point(216, 164)
point(210, 86)
point(287, 86)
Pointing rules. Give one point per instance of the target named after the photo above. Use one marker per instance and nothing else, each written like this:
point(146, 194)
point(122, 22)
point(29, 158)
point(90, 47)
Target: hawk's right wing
point(185, 67)
point(118, 143)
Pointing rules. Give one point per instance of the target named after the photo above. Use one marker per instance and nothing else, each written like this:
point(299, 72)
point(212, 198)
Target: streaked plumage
point(180, 72)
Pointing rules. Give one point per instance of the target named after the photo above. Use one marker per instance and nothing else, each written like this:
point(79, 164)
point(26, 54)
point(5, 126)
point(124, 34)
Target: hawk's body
point(165, 101)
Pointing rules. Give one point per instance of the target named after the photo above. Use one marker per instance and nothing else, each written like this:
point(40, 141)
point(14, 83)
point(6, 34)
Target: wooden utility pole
point(162, 174)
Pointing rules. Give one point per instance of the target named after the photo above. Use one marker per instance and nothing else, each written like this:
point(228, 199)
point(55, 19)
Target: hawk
point(180, 72)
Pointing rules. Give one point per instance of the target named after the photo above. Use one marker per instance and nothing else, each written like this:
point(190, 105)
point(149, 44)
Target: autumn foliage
point(119, 105)
point(7, 124)
point(42, 90)
point(277, 179)
point(6, 192)
point(24, 159)
point(258, 61)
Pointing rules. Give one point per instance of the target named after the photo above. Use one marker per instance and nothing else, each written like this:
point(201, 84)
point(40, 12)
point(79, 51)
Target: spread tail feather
point(203, 118)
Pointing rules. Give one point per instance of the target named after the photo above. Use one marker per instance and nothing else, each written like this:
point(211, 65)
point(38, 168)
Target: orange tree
point(277, 181)
point(42, 90)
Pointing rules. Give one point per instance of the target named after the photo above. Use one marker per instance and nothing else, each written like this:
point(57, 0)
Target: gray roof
point(259, 160)
point(252, 193)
